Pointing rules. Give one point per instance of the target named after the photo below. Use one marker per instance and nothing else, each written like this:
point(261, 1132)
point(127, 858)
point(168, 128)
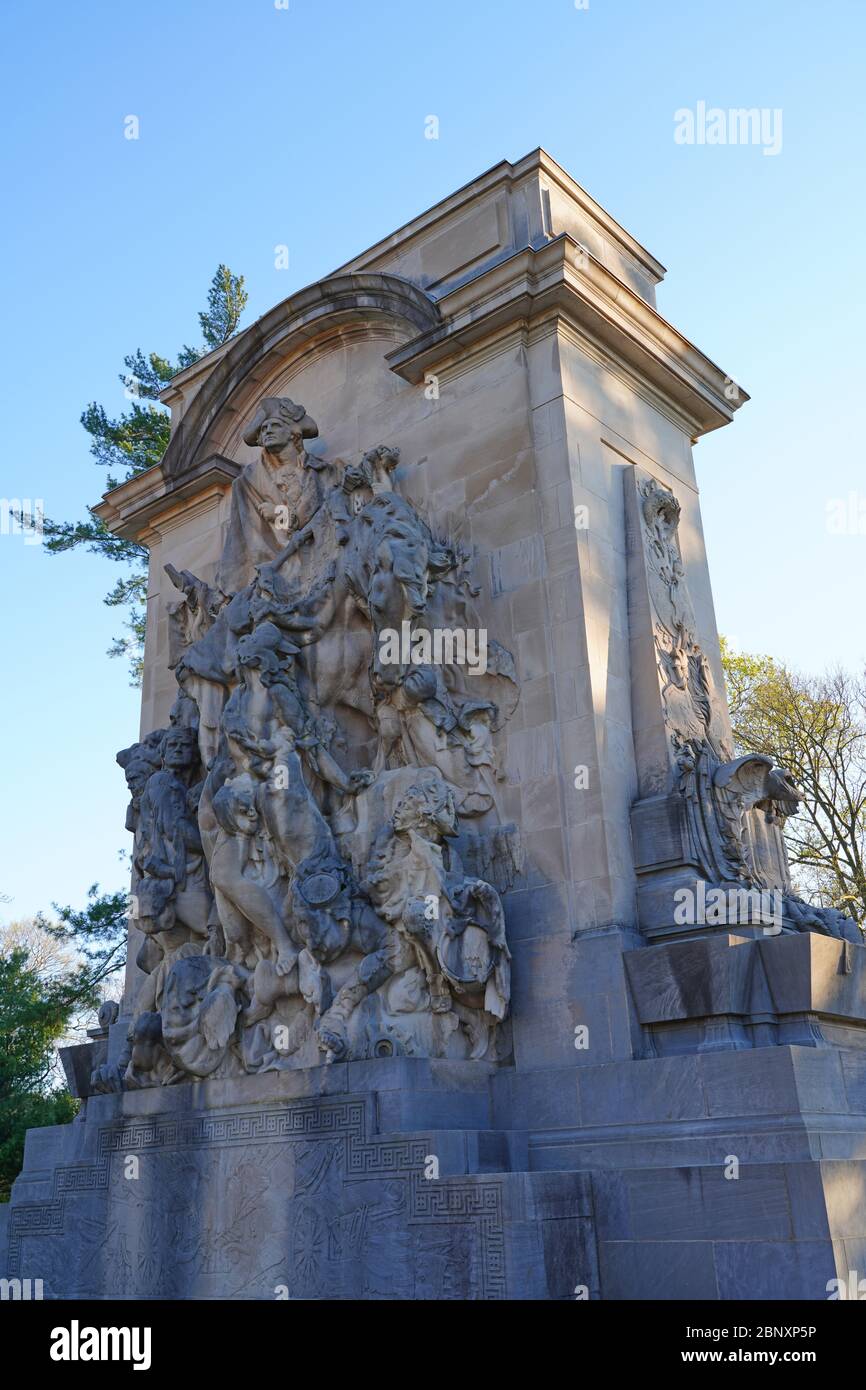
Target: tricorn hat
point(282, 408)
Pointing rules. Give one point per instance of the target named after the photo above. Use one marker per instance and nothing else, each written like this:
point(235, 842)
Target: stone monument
point(464, 958)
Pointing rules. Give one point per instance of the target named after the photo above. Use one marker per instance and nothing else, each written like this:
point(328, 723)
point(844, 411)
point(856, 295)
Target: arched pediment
point(301, 319)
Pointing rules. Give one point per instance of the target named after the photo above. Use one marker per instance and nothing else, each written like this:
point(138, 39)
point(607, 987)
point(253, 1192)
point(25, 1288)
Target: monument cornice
point(134, 508)
point(507, 175)
point(563, 279)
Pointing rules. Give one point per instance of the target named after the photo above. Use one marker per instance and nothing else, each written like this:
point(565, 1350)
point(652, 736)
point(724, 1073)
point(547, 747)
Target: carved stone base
point(366, 1181)
point(714, 1174)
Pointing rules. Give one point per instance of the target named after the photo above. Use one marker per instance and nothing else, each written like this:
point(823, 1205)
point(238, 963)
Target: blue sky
point(261, 126)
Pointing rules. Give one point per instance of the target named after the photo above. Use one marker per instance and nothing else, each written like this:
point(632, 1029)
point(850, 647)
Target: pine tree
point(133, 442)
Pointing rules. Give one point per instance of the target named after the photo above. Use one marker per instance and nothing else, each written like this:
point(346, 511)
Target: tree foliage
point(50, 972)
point(815, 726)
point(131, 443)
point(34, 1013)
point(96, 932)
point(226, 301)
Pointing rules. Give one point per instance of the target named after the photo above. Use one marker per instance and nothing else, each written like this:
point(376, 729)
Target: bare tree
point(815, 726)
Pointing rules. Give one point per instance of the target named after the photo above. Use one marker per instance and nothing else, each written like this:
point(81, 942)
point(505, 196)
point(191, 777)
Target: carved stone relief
point(735, 807)
point(295, 872)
